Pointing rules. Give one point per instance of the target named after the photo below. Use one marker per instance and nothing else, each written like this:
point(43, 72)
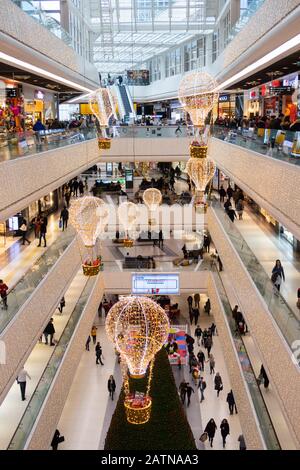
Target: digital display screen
point(155, 284)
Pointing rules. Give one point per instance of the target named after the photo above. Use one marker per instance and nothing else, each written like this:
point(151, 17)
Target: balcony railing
point(266, 425)
point(283, 315)
point(282, 145)
point(30, 415)
point(32, 278)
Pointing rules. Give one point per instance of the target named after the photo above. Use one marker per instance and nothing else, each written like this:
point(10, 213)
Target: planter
point(92, 270)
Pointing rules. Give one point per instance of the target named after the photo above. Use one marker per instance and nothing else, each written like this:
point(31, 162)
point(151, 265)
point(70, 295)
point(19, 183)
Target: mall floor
point(88, 410)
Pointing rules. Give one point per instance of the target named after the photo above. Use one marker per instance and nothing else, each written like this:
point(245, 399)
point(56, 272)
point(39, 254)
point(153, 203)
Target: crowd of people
point(280, 122)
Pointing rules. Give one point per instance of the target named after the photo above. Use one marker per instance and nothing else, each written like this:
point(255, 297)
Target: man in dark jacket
point(43, 231)
point(64, 215)
point(49, 331)
point(231, 402)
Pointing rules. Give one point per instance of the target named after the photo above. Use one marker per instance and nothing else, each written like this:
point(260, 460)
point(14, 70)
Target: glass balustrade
point(23, 144)
point(30, 415)
point(260, 407)
point(32, 278)
point(45, 20)
point(283, 315)
point(279, 144)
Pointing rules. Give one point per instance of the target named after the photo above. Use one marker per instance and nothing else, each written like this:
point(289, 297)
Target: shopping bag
point(203, 437)
point(60, 223)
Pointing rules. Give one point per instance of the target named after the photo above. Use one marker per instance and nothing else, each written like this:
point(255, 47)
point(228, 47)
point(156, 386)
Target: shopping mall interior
point(150, 225)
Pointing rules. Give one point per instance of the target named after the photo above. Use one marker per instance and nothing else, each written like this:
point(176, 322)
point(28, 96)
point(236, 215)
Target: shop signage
point(11, 92)
point(281, 90)
point(224, 98)
point(39, 95)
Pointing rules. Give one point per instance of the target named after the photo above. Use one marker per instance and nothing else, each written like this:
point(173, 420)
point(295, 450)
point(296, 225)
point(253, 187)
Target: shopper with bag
point(210, 430)
point(24, 230)
point(218, 383)
point(64, 217)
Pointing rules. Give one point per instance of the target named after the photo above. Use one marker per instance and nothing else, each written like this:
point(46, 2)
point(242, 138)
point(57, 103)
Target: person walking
point(277, 274)
point(75, 187)
point(192, 362)
point(231, 213)
point(196, 314)
point(111, 385)
point(207, 307)
point(242, 442)
point(202, 387)
point(222, 193)
point(190, 304)
point(21, 379)
point(98, 351)
point(67, 197)
point(160, 239)
point(189, 391)
point(94, 334)
point(211, 430)
point(64, 217)
point(3, 293)
point(43, 231)
point(197, 300)
point(201, 359)
point(24, 230)
point(81, 187)
point(87, 343)
point(62, 305)
point(182, 391)
point(57, 439)
point(49, 331)
point(224, 431)
point(218, 383)
point(198, 333)
point(208, 344)
point(231, 402)
point(263, 377)
point(212, 363)
point(240, 208)
point(207, 242)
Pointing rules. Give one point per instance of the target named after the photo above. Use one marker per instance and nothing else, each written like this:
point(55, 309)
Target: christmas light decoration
point(89, 216)
point(197, 96)
point(201, 171)
point(128, 214)
point(138, 327)
point(103, 108)
point(152, 198)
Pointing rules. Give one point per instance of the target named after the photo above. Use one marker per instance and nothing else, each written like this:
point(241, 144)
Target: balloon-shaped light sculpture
point(152, 198)
point(138, 327)
point(197, 94)
point(201, 171)
point(89, 216)
point(128, 214)
point(102, 106)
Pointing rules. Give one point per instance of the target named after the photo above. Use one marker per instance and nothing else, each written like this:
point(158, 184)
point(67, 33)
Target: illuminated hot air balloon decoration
point(201, 172)
point(128, 214)
point(89, 216)
point(103, 107)
point(197, 95)
point(152, 197)
point(139, 328)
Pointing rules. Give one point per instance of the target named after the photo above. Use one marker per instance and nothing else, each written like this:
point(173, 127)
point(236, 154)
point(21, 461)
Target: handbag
point(203, 437)
point(60, 223)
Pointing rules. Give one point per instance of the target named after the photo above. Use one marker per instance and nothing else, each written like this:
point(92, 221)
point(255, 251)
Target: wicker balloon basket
point(127, 243)
point(92, 270)
point(197, 151)
point(104, 144)
point(140, 414)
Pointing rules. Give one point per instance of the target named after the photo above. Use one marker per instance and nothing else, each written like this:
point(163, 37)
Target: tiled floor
point(86, 416)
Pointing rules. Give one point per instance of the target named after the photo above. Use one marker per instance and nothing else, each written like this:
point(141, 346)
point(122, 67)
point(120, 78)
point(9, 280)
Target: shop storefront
point(38, 104)
point(11, 108)
point(226, 106)
point(252, 103)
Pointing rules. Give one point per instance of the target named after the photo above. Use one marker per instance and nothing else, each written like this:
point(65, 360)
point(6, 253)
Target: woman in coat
point(211, 430)
point(224, 430)
point(111, 385)
point(218, 383)
point(278, 269)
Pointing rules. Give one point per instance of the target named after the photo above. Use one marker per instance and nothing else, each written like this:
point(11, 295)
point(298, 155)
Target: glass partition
point(283, 315)
point(262, 413)
point(32, 278)
point(30, 415)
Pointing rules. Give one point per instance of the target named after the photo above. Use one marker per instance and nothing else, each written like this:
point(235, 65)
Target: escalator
point(126, 108)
